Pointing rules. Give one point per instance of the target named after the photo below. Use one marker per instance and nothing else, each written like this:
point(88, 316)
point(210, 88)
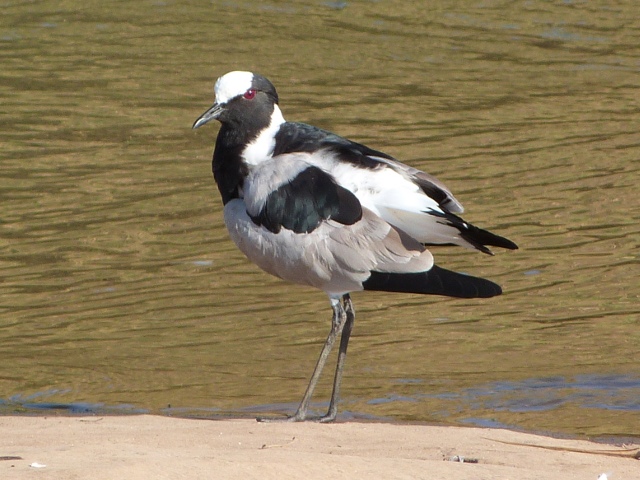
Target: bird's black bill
point(211, 114)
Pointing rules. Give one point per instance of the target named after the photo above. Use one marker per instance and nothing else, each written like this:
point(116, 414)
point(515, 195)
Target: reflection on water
point(613, 392)
point(507, 400)
point(120, 288)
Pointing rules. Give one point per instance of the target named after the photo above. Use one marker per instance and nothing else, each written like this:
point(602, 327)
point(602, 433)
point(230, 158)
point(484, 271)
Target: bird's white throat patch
point(261, 148)
point(231, 85)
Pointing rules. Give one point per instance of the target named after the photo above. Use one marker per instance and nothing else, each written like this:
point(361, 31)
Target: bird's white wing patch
point(392, 195)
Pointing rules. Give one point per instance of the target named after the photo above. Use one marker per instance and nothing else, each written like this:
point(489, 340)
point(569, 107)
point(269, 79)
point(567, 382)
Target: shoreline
point(158, 447)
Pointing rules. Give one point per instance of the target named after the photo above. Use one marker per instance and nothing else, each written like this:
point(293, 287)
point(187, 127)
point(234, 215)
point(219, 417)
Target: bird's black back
point(300, 137)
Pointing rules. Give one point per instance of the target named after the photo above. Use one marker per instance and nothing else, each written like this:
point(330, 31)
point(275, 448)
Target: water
point(121, 291)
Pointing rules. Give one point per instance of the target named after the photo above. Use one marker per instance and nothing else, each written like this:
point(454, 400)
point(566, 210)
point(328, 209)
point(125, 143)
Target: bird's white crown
point(231, 85)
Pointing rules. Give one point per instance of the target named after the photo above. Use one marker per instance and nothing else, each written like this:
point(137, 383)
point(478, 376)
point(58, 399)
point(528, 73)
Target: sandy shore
point(151, 447)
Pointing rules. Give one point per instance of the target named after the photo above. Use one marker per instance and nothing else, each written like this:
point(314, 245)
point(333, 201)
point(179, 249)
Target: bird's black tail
point(436, 281)
point(478, 238)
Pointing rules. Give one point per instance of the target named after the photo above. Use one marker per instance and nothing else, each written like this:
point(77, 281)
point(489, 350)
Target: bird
point(316, 209)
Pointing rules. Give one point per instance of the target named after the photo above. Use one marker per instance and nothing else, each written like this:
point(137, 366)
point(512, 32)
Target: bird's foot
point(330, 416)
point(301, 417)
point(291, 418)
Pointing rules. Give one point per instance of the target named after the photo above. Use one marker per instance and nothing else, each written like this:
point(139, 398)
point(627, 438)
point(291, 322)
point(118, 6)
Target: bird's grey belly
point(304, 259)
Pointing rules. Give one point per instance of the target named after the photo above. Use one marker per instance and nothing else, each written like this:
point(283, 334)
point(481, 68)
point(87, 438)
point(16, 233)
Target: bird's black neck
point(229, 169)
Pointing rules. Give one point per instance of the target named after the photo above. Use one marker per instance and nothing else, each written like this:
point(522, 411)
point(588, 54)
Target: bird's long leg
point(342, 355)
point(337, 324)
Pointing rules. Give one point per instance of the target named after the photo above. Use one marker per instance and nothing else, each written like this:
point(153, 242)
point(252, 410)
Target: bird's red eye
point(249, 94)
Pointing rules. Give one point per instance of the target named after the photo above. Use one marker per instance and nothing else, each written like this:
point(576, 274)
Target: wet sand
point(153, 447)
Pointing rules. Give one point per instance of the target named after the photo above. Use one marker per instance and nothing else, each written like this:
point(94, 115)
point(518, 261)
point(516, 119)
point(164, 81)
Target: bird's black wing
point(300, 137)
point(307, 200)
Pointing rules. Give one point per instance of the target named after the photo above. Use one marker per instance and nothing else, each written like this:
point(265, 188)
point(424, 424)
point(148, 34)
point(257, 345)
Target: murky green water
point(119, 286)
